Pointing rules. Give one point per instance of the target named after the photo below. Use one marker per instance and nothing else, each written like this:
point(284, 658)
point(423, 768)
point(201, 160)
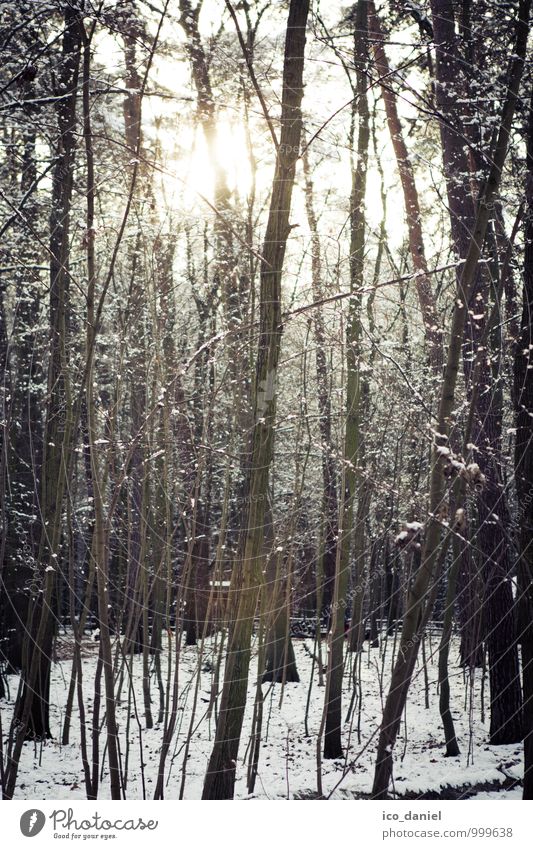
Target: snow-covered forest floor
point(288, 758)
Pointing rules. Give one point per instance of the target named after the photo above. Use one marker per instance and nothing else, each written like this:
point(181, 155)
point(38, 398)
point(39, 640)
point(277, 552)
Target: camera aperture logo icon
point(32, 822)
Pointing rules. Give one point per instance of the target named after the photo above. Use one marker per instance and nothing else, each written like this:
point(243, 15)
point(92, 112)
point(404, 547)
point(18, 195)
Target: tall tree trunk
point(32, 707)
point(220, 778)
point(432, 329)
point(138, 489)
point(100, 548)
point(23, 418)
point(227, 280)
point(418, 604)
point(333, 724)
point(328, 554)
point(498, 606)
point(524, 471)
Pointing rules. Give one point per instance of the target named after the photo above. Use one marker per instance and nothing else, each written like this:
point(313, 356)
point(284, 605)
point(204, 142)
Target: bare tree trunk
point(453, 89)
point(220, 778)
point(432, 328)
point(23, 418)
point(333, 724)
point(227, 281)
point(420, 593)
point(32, 707)
point(328, 554)
point(100, 534)
point(138, 489)
point(524, 471)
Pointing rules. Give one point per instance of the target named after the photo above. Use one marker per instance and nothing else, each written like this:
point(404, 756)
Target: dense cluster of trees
point(266, 285)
